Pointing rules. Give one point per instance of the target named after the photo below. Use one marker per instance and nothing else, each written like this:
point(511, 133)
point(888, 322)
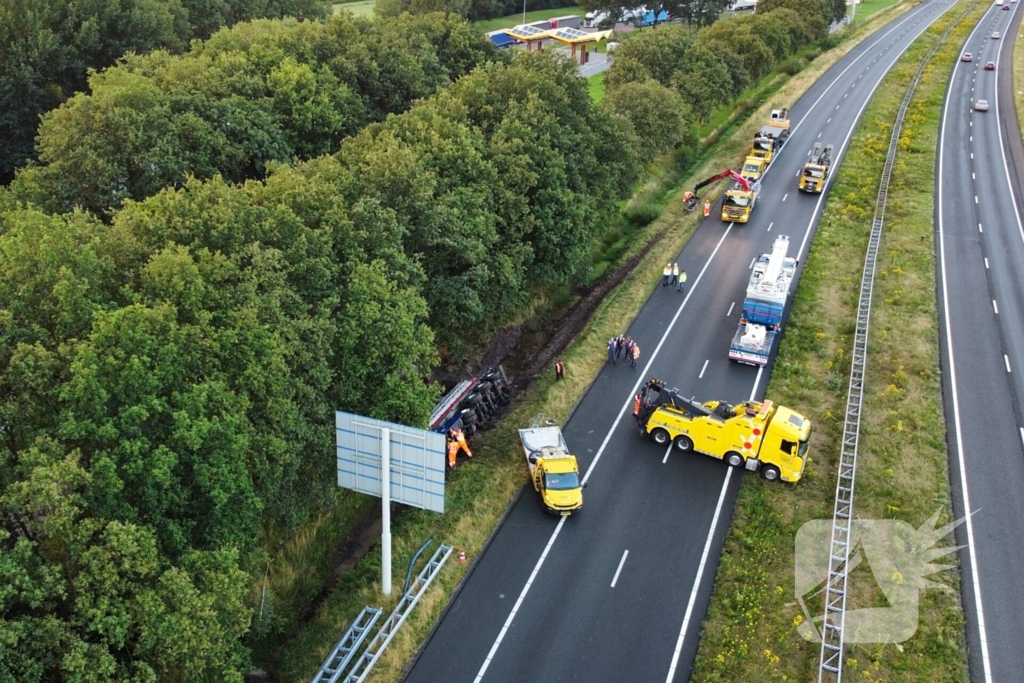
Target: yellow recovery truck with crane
point(754, 435)
point(815, 173)
point(737, 202)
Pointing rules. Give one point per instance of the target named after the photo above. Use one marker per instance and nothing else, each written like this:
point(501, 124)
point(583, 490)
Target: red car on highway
point(990, 66)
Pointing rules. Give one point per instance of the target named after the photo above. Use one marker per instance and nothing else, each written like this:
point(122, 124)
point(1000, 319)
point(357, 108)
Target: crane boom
point(727, 172)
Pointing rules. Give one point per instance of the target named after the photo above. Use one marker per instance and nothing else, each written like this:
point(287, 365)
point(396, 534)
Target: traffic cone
point(462, 556)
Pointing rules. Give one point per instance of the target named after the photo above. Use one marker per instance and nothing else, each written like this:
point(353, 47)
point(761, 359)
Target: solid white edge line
point(597, 457)
point(856, 121)
point(704, 555)
point(615, 578)
point(968, 524)
point(519, 601)
point(700, 573)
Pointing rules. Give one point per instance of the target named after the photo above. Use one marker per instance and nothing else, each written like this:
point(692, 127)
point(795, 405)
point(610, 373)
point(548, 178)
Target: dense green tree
point(658, 115)
point(704, 82)
point(47, 48)
point(257, 93)
point(660, 52)
point(699, 13)
point(89, 599)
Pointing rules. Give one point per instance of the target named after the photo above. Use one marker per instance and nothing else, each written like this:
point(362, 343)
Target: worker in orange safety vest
point(456, 442)
point(453, 450)
point(707, 209)
point(460, 437)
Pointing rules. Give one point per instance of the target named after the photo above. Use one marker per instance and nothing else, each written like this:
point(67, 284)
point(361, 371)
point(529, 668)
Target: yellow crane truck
point(815, 173)
point(553, 469)
point(754, 435)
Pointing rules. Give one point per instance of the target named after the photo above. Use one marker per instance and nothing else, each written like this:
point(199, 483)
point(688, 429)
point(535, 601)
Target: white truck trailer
point(764, 305)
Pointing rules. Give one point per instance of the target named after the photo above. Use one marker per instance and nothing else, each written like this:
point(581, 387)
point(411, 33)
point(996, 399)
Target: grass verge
point(750, 631)
point(511, 20)
point(596, 86)
point(479, 493)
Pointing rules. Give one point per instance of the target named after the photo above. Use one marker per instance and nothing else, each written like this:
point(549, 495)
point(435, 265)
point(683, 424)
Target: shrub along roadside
point(750, 631)
point(481, 492)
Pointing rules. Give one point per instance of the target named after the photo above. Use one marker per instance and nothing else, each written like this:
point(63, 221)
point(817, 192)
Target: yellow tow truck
point(770, 139)
point(753, 435)
point(815, 173)
point(737, 202)
point(553, 469)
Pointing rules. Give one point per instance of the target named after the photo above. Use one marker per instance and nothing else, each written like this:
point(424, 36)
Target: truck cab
point(753, 168)
point(554, 472)
point(816, 170)
point(753, 435)
point(737, 203)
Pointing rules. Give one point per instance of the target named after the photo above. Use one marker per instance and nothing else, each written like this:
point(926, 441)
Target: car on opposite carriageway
point(966, 57)
point(990, 66)
point(981, 105)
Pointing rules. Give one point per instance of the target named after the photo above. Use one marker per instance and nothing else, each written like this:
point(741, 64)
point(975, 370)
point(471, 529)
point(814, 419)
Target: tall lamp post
point(524, 11)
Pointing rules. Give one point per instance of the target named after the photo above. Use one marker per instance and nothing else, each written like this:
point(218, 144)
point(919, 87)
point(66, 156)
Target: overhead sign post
point(394, 462)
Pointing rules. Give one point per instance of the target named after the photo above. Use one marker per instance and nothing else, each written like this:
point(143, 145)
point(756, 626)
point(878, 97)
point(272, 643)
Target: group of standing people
point(671, 275)
point(623, 347)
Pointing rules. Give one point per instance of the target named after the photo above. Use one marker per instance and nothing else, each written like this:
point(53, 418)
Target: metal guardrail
point(347, 646)
point(390, 626)
point(830, 668)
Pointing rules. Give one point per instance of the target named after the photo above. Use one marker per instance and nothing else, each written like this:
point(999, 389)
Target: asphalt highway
point(619, 591)
point(981, 300)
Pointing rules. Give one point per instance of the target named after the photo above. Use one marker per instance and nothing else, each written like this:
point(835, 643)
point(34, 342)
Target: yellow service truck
point(770, 139)
point(815, 173)
point(553, 469)
point(754, 435)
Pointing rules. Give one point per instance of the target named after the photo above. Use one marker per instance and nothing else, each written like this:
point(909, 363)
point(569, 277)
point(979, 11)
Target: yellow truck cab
point(738, 203)
point(754, 435)
point(753, 167)
point(553, 469)
point(770, 139)
point(815, 173)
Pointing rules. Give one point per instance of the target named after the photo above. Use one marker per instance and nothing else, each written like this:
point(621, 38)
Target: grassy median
point(480, 492)
point(750, 632)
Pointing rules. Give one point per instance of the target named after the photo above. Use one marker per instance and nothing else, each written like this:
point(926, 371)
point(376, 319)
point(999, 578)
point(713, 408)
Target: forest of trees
point(47, 48)
point(219, 244)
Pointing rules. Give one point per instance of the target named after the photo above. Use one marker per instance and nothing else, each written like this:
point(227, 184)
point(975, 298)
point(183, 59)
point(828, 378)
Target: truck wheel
point(770, 472)
point(660, 437)
point(684, 443)
point(735, 459)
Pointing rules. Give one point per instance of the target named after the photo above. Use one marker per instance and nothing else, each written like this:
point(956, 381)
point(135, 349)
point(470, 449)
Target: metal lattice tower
point(391, 625)
point(347, 646)
point(831, 662)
